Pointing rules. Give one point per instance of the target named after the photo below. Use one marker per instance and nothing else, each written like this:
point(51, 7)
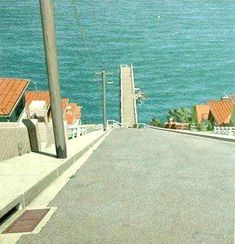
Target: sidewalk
point(23, 178)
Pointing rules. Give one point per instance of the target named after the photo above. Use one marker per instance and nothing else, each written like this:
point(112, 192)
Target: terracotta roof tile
point(202, 112)
point(221, 110)
point(11, 90)
point(64, 103)
point(78, 112)
point(72, 113)
point(37, 96)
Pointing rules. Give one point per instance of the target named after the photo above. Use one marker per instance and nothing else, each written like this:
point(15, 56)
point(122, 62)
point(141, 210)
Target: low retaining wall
point(200, 134)
point(14, 140)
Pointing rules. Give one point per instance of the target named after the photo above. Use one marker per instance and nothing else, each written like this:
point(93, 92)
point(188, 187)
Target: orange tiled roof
point(221, 110)
point(70, 113)
point(43, 96)
point(73, 113)
point(202, 112)
point(64, 104)
point(78, 113)
point(37, 96)
point(11, 91)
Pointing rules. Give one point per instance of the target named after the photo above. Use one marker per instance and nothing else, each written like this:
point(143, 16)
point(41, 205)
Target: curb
point(198, 134)
point(30, 194)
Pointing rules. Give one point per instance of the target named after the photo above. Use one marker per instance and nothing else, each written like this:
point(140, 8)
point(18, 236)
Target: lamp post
point(103, 76)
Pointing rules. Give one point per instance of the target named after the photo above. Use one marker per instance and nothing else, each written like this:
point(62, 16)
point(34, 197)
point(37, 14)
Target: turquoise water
point(181, 58)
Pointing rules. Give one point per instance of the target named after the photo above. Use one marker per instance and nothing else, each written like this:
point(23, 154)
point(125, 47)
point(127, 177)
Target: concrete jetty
point(128, 101)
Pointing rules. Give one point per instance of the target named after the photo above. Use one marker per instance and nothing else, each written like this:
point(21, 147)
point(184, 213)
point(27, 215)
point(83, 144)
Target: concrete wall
point(33, 133)
point(47, 134)
point(50, 135)
point(14, 140)
point(43, 131)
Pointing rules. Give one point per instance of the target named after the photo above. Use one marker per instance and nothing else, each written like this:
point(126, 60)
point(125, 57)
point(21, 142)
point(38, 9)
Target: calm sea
point(183, 51)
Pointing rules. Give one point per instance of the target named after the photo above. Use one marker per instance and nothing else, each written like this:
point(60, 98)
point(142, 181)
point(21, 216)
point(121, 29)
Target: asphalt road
point(147, 186)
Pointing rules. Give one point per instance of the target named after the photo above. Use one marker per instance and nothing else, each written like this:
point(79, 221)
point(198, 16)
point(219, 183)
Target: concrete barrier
point(200, 134)
point(14, 140)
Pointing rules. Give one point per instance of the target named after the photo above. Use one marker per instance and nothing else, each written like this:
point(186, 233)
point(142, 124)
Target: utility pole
point(49, 36)
point(103, 76)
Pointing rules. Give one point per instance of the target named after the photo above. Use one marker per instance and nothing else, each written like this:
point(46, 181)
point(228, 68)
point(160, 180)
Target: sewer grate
point(27, 221)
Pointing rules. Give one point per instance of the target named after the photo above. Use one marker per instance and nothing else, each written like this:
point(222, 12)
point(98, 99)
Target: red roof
point(72, 113)
point(43, 96)
point(221, 111)
point(37, 96)
point(64, 104)
point(202, 112)
point(11, 90)
point(78, 113)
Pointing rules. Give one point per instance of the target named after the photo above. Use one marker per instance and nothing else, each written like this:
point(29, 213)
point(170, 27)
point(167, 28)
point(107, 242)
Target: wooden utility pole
point(103, 76)
point(49, 36)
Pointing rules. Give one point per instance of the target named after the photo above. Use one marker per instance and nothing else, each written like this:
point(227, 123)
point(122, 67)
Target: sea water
point(183, 51)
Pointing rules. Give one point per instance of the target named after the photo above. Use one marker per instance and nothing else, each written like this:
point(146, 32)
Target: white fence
point(76, 130)
point(114, 123)
point(224, 130)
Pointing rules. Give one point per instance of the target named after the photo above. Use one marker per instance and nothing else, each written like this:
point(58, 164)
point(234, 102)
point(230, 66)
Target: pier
point(127, 97)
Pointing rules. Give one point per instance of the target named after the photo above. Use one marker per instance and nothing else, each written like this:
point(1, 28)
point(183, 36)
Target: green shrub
point(180, 115)
point(232, 122)
point(205, 126)
point(156, 122)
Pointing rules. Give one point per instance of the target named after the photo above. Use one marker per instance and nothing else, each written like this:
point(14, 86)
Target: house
point(218, 112)
point(37, 104)
point(72, 114)
point(12, 98)
point(202, 112)
point(221, 111)
point(71, 111)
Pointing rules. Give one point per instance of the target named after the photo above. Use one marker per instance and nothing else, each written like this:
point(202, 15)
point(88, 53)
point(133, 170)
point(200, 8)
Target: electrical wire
point(93, 11)
point(77, 16)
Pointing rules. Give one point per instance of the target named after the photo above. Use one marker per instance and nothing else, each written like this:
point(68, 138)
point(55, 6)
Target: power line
point(77, 16)
point(93, 11)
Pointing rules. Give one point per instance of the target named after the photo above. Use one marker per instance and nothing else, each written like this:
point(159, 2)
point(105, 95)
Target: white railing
point(121, 94)
point(224, 130)
point(114, 123)
point(133, 87)
point(76, 131)
point(142, 125)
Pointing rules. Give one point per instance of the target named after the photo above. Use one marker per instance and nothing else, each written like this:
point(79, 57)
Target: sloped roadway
point(147, 186)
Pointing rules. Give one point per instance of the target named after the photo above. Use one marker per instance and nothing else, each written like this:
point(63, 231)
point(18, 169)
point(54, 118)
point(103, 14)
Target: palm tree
point(181, 115)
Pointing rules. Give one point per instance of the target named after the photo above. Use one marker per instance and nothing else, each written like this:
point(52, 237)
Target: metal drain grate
point(27, 221)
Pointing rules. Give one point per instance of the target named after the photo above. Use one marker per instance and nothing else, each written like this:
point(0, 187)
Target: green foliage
point(156, 122)
point(232, 122)
point(185, 115)
point(210, 126)
point(181, 115)
point(194, 115)
point(205, 126)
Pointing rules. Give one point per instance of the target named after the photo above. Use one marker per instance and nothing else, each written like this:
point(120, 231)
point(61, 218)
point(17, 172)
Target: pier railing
point(121, 96)
point(133, 87)
point(129, 116)
point(114, 123)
